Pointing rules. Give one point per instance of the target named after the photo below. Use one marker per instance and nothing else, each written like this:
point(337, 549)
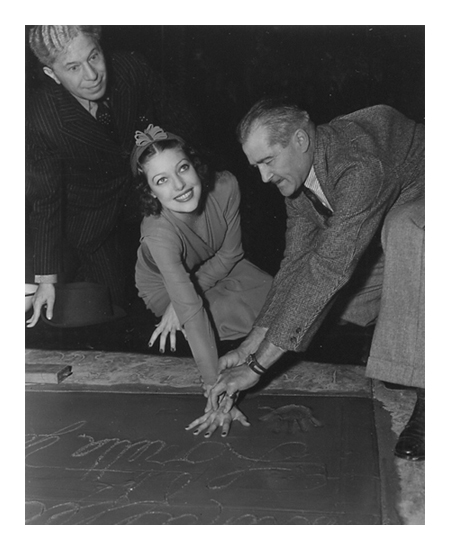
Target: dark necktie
point(317, 203)
point(105, 117)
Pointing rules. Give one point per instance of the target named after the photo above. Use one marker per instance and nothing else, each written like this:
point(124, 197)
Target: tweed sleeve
point(312, 277)
point(301, 234)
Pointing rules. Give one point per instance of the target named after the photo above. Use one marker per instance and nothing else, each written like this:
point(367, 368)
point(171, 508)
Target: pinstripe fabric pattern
point(77, 177)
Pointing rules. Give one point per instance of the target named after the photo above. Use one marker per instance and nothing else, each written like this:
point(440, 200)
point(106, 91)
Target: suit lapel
point(79, 124)
point(124, 105)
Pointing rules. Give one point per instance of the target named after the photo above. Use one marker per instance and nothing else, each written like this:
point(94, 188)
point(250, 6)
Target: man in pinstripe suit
point(79, 133)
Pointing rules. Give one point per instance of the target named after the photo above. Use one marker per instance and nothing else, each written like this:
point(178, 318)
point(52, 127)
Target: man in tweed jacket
point(343, 182)
point(78, 176)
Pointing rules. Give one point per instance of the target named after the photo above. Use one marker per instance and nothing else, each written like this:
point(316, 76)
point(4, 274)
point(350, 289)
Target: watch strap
point(253, 364)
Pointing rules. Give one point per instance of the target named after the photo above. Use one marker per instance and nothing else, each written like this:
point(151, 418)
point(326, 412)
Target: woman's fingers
point(173, 340)
point(226, 426)
point(209, 429)
point(151, 342)
point(162, 334)
point(198, 421)
point(209, 426)
point(154, 336)
point(162, 342)
point(243, 420)
point(211, 420)
point(167, 329)
point(208, 422)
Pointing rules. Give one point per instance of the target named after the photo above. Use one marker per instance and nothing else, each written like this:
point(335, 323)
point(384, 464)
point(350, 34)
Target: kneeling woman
point(191, 270)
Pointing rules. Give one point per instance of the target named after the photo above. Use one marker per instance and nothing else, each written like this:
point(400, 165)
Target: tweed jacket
point(367, 163)
point(77, 176)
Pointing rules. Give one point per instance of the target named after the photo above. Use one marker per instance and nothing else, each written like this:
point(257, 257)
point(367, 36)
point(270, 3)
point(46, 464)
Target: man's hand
point(231, 381)
point(232, 359)
point(211, 420)
point(240, 354)
point(44, 295)
point(168, 325)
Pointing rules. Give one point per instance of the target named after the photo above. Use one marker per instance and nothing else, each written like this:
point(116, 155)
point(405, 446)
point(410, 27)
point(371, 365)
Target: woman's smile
point(174, 181)
point(186, 196)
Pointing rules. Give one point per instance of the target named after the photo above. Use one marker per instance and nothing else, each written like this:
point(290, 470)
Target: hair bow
point(149, 135)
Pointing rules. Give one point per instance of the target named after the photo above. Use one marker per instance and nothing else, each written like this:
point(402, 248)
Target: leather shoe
point(411, 443)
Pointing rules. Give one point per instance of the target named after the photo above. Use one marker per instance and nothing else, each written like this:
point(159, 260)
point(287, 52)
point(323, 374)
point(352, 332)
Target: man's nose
point(266, 174)
point(89, 72)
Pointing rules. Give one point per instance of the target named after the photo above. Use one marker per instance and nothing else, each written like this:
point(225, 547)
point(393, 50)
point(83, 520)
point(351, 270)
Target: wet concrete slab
point(118, 458)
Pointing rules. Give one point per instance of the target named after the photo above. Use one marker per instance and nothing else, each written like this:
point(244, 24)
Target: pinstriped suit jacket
point(367, 163)
point(77, 177)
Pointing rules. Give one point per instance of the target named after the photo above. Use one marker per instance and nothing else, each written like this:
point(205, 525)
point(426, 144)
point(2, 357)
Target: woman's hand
point(168, 325)
point(211, 420)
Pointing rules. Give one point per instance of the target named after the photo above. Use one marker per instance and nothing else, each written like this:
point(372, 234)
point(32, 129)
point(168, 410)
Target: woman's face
point(173, 181)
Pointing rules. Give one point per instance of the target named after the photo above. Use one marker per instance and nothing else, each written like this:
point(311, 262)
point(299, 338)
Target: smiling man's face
point(81, 69)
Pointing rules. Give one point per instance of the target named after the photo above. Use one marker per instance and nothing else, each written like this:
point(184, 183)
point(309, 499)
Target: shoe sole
point(411, 458)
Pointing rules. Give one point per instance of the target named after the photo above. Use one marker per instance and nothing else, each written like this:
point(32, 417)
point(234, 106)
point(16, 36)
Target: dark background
point(327, 70)
point(222, 70)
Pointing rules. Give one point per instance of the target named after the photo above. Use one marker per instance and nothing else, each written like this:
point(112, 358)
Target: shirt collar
point(90, 106)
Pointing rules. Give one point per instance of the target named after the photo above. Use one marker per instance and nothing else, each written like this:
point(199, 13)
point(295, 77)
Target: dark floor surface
point(115, 458)
point(87, 464)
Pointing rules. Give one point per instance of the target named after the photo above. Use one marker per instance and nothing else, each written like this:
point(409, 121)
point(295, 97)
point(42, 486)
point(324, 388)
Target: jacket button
point(298, 330)
point(293, 340)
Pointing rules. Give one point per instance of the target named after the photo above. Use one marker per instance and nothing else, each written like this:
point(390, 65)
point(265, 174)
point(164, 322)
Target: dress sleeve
point(165, 248)
point(230, 252)
point(319, 262)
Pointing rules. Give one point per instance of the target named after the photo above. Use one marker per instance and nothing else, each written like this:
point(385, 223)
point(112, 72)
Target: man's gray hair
point(280, 117)
point(48, 41)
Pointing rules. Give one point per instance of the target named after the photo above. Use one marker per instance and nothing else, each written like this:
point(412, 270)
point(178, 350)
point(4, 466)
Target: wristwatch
point(255, 365)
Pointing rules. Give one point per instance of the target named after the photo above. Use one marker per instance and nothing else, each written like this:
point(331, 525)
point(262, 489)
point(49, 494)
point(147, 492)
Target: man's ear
point(49, 72)
point(302, 139)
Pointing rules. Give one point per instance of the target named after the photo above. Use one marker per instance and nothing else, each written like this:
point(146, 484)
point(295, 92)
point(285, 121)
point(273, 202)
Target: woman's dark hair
point(150, 205)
